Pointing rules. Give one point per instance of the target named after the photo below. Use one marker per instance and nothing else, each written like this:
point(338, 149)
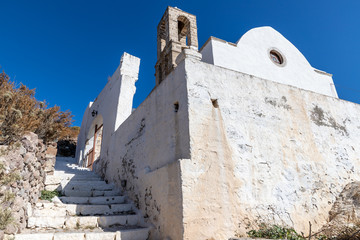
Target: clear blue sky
point(67, 49)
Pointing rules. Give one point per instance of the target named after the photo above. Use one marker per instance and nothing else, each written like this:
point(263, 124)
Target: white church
point(232, 135)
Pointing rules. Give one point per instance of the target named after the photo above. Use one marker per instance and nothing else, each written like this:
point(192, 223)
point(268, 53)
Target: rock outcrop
point(344, 216)
point(23, 167)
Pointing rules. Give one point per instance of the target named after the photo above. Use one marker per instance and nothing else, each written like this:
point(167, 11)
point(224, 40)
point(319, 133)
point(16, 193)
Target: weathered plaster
point(269, 153)
point(240, 150)
point(145, 152)
point(214, 150)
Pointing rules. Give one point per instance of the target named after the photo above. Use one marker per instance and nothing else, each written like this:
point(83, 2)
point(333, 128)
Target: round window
point(276, 57)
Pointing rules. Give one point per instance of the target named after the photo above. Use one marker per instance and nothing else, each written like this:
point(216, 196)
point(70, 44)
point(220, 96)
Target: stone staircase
point(88, 209)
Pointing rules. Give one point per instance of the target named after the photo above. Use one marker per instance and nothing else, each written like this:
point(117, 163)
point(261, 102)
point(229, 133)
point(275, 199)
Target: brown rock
point(18, 204)
point(11, 229)
point(347, 205)
point(51, 151)
point(29, 157)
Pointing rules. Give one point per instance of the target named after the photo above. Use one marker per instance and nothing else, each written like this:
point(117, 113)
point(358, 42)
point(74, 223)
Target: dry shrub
point(70, 133)
point(341, 231)
point(21, 112)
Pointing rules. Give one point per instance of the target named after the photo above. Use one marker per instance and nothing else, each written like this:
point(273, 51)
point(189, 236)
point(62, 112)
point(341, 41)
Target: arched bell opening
point(184, 31)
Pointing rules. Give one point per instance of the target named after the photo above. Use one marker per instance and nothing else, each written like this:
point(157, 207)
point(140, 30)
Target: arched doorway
point(93, 142)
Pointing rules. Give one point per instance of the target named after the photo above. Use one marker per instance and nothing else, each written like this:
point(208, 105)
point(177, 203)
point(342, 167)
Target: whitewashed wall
point(240, 150)
point(269, 153)
point(145, 151)
point(251, 55)
point(113, 105)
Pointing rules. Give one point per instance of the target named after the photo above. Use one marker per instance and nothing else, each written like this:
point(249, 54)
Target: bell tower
point(176, 31)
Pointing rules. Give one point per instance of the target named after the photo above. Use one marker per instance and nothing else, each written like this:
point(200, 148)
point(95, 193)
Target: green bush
point(278, 232)
point(275, 232)
point(48, 195)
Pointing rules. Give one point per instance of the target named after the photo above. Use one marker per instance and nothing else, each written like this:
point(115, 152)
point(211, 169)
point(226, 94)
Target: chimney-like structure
point(176, 31)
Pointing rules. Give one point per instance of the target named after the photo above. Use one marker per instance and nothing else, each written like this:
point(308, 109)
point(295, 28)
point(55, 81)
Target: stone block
point(107, 200)
point(93, 209)
point(132, 234)
point(100, 235)
point(50, 212)
point(34, 236)
point(86, 186)
point(88, 222)
point(52, 187)
point(51, 151)
point(11, 228)
point(48, 166)
point(132, 220)
point(30, 141)
point(46, 222)
point(75, 200)
point(29, 211)
point(72, 223)
point(76, 193)
point(52, 180)
point(106, 221)
point(121, 207)
point(69, 236)
point(72, 209)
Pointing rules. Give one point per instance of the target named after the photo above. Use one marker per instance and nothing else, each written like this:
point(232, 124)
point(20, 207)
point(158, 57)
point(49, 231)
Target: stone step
point(66, 169)
point(73, 174)
point(112, 209)
point(133, 234)
point(52, 210)
point(94, 200)
point(86, 186)
point(58, 179)
point(75, 222)
point(53, 187)
point(93, 193)
point(126, 234)
point(78, 184)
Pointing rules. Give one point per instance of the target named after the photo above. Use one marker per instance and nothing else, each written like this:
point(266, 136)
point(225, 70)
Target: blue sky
point(67, 49)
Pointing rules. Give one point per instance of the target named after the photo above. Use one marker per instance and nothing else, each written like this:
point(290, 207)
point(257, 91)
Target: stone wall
point(25, 165)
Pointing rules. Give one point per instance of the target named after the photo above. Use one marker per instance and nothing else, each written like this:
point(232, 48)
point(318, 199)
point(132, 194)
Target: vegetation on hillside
point(275, 232)
point(21, 112)
point(280, 232)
